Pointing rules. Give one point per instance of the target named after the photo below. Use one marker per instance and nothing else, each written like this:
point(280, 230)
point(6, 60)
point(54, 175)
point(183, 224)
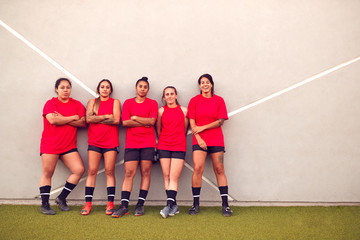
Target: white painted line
point(46, 57)
point(319, 75)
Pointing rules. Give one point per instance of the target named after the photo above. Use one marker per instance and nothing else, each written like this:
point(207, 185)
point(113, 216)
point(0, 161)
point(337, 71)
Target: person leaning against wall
point(171, 127)
point(207, 113)
point(138, 116)
point(103, 117)
point(62, 115)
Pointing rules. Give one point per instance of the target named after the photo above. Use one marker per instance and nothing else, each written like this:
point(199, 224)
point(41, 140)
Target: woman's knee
point(198, 170)
point(110, 172)
point(92, 171)
point(219, 170)
point(130, 173)
point(48, 173)
point(145, 172)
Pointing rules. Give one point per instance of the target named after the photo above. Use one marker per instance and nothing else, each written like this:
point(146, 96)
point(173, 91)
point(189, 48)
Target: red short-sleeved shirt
point(140, 137)
point(207, 110)
point(172, 136)
point(104, 135)
point(59, 139)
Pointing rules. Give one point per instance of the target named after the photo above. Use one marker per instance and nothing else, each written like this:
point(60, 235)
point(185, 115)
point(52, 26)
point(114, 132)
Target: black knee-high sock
point(66, 190)
point(110, 194)
point(171, 197)
point(142, 197)
point(224, 195)
point(45, 193)
point(125, 196)
point(196, 195)
point(89, 192)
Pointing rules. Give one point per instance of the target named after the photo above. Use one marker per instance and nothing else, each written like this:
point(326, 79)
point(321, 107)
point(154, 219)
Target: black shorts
point(171, 154)
point(102, 150)
point(61, 154)
point(139, 154)
point(210, 149)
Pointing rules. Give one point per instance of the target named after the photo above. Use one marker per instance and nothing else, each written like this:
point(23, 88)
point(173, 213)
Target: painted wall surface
point(300, 146)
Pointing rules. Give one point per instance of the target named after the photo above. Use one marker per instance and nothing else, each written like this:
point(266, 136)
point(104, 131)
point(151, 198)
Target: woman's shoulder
point(74, 101)
point(217, 97)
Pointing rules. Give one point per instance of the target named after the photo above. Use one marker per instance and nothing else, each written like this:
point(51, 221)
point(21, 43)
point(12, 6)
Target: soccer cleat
point(45, 209)
point(62, 204)
point(194, 210)
point(165, 211)
point(226, 211)
point(120, 212)
point(86, 209)
point(109, 208)
point(139, 210)
point(174, 210)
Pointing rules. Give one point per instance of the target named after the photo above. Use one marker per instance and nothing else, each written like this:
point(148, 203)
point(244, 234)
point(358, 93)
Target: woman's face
point(64, 90)
point(205, 85)
point(104, 89)
point(170, 96)
point(142, 89)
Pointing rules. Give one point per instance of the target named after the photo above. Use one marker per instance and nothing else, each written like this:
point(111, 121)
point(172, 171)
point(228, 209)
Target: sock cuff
point(45, 189)
point(69, 186)
point(89, 190)
point(196, 191)
point(223, 190)
point(110, 190)
point(143, 193)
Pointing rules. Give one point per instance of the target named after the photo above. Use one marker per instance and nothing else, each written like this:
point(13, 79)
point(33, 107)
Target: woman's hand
point(196, 130)
point(202, 143)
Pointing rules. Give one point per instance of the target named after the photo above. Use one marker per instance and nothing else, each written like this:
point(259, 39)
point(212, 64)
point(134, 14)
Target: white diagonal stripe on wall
point(47, 58)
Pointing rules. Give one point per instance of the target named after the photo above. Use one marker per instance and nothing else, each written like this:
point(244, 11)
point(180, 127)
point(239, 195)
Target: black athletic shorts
point(61, 154)
point(102, 150)
point(210, 149)
point(139, 154)
point(171, 154)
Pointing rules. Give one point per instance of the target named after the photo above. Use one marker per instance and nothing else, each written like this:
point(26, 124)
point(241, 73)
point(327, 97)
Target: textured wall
point(300, 146)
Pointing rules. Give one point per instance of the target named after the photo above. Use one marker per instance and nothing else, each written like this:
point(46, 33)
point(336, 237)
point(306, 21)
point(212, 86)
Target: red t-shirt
point(59, 139)
point(140, 137)
point(104, 135)
point(172, 136)
point(207, 110)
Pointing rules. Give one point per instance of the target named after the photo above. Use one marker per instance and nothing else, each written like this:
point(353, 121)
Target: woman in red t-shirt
point(207, 113)
point(103, 116)
point(171, 127)
point(138, 116)
point(61, 116)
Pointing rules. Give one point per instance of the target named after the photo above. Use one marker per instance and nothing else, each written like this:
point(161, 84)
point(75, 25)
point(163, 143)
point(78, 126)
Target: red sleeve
point(222, 110)
point(81, 110)
point(154, 110)
point(126, 111)
point(191, 109)
point(49, 107)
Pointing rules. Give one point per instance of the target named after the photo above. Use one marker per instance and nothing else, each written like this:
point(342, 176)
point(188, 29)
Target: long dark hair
point(57, 83)
point(163, 96)
point(97, 100)
point(104, 80)
point(209, 77)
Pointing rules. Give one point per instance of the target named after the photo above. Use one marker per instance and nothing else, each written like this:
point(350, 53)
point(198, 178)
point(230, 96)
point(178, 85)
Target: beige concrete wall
point(300, 146)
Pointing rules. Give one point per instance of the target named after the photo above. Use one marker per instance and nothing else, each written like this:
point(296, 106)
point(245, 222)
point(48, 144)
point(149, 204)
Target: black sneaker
point(194, 210)
point(226, 211)
point(139, 210)
point(120, 212)
point(62, 204)
point(45, 209)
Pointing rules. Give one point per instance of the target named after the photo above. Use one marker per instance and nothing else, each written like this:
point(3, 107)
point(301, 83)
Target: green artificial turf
point(26, 222)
